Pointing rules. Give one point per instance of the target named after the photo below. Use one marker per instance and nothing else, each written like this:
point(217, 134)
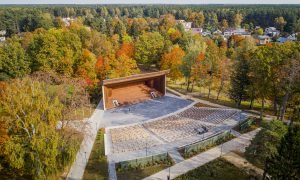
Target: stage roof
point(134, 77)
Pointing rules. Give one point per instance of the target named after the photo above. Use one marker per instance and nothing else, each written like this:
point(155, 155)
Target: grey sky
point(149, 2)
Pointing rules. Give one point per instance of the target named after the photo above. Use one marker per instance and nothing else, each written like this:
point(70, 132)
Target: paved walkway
point(93, 125)
point(237, 144)
point(176, 156)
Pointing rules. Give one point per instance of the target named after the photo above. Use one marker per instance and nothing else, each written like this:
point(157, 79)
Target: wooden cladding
point(133, 89)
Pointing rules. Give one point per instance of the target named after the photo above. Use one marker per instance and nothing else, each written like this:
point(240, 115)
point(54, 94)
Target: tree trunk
point(188, 85)
point(220, 89)
point(192, 85)
point(251, 103)
point(209, 87)
point(262, 107)
point(239, 103)
point(279, 112)
point(285, 99)
point(251, 98)
point(275, 105)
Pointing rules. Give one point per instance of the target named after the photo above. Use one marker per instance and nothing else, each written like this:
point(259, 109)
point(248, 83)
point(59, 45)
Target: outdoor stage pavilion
point(133, 89)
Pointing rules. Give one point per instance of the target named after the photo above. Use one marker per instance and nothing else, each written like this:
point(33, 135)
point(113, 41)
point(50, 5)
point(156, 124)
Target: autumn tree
point(223, 72)
point(261, 74)
point(166, 22)
point(149, 48)
point(175, 35)
point(212, 61)
point(239, 79)
point(35, 149)
point(197, 18)
point(191, 61)
point(173, 60)
point(224, 25)
point(13, 60)
point(85, 66)
point(280, 23)
point(238, 18)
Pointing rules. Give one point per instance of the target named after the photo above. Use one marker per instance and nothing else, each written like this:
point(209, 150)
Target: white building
point(236, 31)
point(2, 39)
point(2, 35)
point(197, 30)
point(292, 37)
point(217, 32)
point(187, 25)
point(272, 31)
point(262, 40)
point(206, 33)
point(68, 21)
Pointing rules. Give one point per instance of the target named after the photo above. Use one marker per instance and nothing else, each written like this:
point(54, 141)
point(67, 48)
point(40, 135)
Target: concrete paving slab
point(144, 111)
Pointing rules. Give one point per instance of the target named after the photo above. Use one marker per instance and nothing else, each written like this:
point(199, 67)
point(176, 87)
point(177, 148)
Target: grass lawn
point(141, 173)
point(217, 169)
point(97, 165)
point(202, 92)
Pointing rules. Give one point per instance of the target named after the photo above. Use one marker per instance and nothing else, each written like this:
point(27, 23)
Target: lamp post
point(85, 156)
point(146, 148)
point(169, 176)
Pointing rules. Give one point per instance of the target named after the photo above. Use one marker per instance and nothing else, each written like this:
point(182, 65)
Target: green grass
point(97, 165)
point(202, 92)
point(217, 169)
point(141, 173)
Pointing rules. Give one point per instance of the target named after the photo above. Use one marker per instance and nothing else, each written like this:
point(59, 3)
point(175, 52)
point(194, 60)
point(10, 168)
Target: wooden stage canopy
point(133, 89)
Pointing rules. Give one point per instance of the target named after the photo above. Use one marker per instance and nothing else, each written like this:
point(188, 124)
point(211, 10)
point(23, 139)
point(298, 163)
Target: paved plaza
point(144, 111)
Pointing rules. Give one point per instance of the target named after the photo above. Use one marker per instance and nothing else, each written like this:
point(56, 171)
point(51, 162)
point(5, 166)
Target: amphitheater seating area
point(131, 138)
point(169, 129)
point(174, 128)
point(211, 115)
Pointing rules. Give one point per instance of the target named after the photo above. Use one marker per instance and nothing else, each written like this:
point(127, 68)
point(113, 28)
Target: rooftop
point(135, 77)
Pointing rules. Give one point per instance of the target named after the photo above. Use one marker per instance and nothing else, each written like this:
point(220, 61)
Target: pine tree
point(285, 164)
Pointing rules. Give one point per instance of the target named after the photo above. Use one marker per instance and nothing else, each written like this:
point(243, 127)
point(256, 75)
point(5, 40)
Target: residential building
point(292, 37)
point(262, 40)
point(197, 30)
point(217, 32)
point(2, 35)
point(282, 39)
point(187, 25)
point(272, 31)
point(68, 21)
point(236, 31)
point(206, 33)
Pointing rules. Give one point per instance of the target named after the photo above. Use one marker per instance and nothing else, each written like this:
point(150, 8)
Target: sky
point(149, 2)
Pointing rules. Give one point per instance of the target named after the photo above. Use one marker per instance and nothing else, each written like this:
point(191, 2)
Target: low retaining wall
point(145, 161)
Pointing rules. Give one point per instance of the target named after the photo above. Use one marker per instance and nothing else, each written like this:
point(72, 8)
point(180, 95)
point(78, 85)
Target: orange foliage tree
point(173, 60)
